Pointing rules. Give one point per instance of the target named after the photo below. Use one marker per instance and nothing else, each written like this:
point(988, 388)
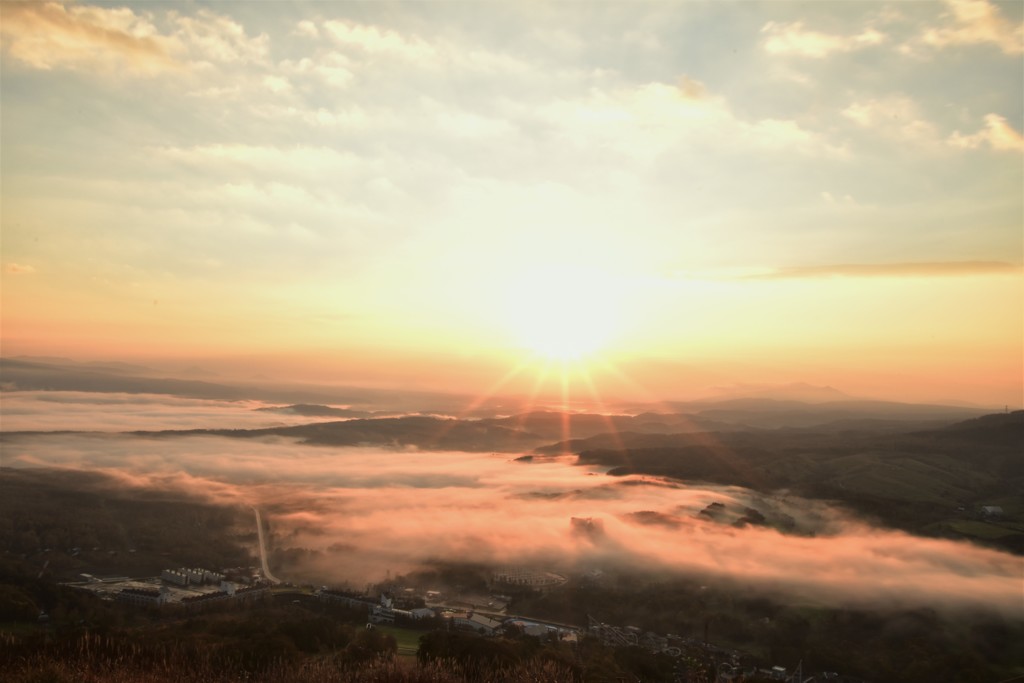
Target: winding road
point(263, 549)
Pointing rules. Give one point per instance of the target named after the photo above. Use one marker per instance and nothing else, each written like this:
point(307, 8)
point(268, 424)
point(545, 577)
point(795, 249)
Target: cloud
point(649, 119)
point(380, 42)
point(968, 22)
point(373, 46)
point(18, 269)
point(306, 28)
point(362, 511)
point(209, 36)
point(937, 269)
point(277, 84)
point(89, 38)
point(794, 39)
point(82, 37)
point(898, 118)
point(976, 22)
point(895, 116)
point(114, 412)
point(332, 69)
point(844, 200)
point(997, 134)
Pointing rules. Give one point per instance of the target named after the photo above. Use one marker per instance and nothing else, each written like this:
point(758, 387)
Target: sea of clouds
point(367, 510)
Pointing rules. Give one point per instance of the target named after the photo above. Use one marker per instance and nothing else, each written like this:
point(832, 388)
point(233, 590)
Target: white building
point(477, 622)
point(175, 576)
point(519, 576)
point(144, 597)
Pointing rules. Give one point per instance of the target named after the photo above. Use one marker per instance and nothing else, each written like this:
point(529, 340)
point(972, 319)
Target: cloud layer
point(365, 511)
point(117, 412)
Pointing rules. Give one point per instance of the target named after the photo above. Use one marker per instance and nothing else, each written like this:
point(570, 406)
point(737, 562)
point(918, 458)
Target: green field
point(408, 640)
point(982, 530)
point(899, 478)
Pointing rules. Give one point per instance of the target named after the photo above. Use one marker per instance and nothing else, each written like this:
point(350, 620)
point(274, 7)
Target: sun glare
point(563, 315)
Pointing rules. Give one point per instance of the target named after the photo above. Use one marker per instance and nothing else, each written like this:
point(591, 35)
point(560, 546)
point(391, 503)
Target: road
point(263, 550)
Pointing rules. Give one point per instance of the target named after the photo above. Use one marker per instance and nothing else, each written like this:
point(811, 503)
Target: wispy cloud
point(92, 38)
point(18, 269)
point(377, 41)
point(855, 270)
point(82, 37)
point(653, 118)
point(94, 412)
point(976, 22)
point(220, 39)
point(897, 117)
point(795, 39)
point(997, 134)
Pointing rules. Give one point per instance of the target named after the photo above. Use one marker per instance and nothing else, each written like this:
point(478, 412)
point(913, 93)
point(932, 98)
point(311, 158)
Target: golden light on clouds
point(429, 196)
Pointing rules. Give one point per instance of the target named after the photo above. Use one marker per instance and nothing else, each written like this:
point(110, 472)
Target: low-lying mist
point(362, 511)
point(114, 412)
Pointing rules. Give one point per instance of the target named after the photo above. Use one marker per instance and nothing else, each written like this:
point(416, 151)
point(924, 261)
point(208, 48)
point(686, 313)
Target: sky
point(657, 196)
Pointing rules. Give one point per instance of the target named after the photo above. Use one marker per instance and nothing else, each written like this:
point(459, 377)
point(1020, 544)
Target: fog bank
point(364, 511)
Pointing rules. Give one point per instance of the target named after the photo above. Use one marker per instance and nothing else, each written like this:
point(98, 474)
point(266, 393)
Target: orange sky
point(424, 197)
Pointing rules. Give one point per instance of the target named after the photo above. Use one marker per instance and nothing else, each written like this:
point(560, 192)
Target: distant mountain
point(194, 371)
point(33, 375)
point(58, 374)
point(561, 426)
point(774, 413)
point(521, 433)
point(545, 432)
point(315, 410)
point(998, 430)
point(630, 440)
point(798, 391)
point(427, 433)
point(97, 365)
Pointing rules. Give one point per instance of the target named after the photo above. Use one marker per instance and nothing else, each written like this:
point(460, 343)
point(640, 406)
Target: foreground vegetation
point(101, 660)
point(89, 639)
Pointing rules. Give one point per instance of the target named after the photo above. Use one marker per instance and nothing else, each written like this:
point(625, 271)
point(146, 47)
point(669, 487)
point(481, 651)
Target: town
point(188, 591)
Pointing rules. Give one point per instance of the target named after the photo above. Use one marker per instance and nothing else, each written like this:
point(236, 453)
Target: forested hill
point(934, 482)
point(562, 432)
point(419, 431)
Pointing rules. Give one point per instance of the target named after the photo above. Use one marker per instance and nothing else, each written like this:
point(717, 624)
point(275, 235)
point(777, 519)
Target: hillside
point(396, 432)
point(933, 482)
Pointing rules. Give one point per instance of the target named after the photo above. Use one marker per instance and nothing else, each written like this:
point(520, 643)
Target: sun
point(562, 314)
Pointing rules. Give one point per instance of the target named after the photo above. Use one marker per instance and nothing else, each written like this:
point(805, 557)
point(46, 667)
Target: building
point(198, 603)
point(479, 623)
point(199, 575)
point(527, 578)
point(252, 593)
point(144, 597)
point(346, 598)
point(175, 576)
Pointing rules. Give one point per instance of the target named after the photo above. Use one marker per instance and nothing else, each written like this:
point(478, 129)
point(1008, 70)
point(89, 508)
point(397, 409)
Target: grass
point(977, 529)
point(20, 628)
point(57, 671)
point(100, 659)
point(408, 640)
point(937, 480)
point(1013, 506)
